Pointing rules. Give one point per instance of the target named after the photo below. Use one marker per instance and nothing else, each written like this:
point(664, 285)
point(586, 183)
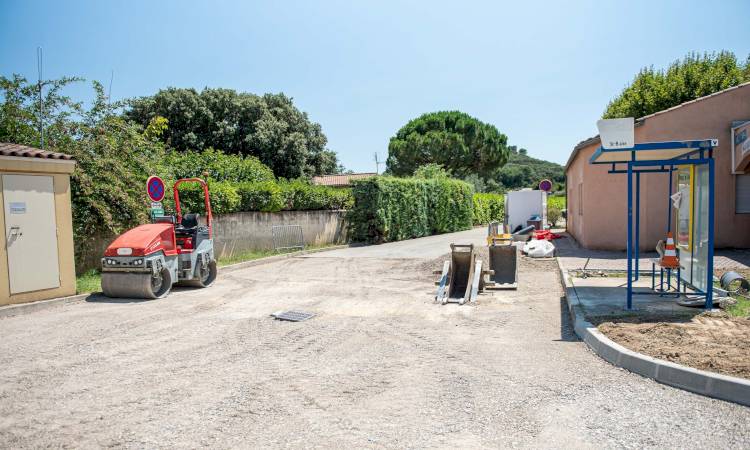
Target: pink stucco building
point(597, 202)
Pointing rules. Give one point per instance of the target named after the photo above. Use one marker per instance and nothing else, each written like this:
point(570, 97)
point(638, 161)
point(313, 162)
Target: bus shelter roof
point(652, 151)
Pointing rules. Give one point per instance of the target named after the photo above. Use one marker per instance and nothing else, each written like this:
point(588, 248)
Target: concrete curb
point(26, 308)
point(710, 384)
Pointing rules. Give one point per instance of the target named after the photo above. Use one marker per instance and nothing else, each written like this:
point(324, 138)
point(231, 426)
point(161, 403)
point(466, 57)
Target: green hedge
point(299, 195)
point(391, 209)
point(488, 208)
point(225, 198)
point(266, 196)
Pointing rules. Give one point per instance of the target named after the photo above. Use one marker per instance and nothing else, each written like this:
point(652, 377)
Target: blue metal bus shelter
point(662, 157)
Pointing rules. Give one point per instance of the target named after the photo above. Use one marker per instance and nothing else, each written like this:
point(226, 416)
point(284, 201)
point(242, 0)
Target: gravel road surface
point(380, 366)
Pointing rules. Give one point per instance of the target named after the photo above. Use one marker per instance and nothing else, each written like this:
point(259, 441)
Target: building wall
point(244, 231)
point(604, 196)
point(60, 171)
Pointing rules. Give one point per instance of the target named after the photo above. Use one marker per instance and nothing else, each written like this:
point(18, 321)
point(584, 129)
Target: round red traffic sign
point(545, 185)
point(155, 188)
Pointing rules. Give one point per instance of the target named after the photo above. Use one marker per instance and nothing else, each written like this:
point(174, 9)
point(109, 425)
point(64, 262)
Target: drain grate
point(292, 316)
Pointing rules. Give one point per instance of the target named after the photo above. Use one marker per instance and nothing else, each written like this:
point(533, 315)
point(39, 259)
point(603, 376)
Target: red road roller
point(146, 261)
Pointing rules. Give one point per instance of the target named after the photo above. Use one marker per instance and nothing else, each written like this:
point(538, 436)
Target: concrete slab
point(607, 297)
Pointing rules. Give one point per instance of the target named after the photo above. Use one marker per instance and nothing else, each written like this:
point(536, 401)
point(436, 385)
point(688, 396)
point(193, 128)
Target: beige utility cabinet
point(36, 249)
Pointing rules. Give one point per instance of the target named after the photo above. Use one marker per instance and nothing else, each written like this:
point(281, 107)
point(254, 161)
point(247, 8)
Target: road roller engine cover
point(146, 261)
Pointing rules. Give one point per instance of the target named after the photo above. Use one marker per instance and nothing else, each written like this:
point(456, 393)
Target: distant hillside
point(522, 171)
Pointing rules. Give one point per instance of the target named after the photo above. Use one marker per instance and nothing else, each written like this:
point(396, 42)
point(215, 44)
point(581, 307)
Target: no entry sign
point(155, 189)
point(545, 185)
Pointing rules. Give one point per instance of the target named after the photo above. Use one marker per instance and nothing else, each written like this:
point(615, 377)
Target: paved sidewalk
point(575, 257)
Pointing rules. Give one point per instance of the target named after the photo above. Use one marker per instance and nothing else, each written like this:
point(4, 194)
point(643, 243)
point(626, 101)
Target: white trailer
point(521, 205)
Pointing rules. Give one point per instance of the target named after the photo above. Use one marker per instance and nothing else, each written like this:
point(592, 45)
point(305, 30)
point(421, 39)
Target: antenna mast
point(109, 93)
point(41, 102)
point(377, 163)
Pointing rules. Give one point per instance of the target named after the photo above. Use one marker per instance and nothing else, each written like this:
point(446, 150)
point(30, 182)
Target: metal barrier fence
point(287, 237)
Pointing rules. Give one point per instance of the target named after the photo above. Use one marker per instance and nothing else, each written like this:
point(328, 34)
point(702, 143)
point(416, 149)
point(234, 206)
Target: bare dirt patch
point(711, 341)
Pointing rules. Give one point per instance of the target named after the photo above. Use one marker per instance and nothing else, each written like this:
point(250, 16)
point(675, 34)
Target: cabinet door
point(30, 232)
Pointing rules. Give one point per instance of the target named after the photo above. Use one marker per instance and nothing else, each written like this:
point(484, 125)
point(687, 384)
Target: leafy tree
point(431, 170)
point(217, 166)
point(693, 77)
point(20, 120)
point(479, 184)
point(113, 157)
point(455, 140)
point(268, 127)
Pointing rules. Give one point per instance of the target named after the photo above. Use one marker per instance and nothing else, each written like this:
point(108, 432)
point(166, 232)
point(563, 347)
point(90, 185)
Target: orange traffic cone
point(669, 259)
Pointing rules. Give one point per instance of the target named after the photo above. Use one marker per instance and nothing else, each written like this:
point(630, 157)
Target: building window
point(580, 199)
point(742, 194)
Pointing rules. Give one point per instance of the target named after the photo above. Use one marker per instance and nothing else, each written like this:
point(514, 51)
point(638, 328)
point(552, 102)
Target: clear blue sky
point(541, 72)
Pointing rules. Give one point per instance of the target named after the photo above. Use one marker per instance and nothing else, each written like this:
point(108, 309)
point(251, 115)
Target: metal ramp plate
point(292, 316)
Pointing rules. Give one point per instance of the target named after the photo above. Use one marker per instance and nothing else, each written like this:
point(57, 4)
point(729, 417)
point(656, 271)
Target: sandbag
point(539, 249)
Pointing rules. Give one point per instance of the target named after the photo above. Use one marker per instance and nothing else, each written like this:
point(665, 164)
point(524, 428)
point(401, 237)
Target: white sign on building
point(617, 133)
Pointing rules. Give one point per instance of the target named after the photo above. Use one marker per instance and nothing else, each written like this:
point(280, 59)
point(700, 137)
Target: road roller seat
point(189, 222)
point(187, 226)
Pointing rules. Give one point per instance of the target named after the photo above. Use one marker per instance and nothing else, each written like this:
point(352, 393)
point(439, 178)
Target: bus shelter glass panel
point(684, 215)
point(684, 222)
point(700, 229)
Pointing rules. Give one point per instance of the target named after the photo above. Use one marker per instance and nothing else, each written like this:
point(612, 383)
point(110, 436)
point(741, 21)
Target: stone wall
point(238, 232)
point(244, 231)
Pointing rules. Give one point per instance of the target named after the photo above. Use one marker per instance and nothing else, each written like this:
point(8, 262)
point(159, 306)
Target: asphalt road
point(380, 366)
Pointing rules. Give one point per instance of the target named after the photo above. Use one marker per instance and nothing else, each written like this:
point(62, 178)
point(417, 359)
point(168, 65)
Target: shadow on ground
point(567, 330)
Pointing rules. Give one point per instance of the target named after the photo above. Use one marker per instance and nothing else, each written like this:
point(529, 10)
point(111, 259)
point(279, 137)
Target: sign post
point(155, 191)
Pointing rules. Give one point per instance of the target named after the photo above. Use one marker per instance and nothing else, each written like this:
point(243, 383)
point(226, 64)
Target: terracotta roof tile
point(24, 151)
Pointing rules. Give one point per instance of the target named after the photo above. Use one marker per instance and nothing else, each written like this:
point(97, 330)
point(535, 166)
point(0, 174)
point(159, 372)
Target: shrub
point(488, 208)
point(553, 215)
point(224, 198)
point(391, 209)
point(264, 196)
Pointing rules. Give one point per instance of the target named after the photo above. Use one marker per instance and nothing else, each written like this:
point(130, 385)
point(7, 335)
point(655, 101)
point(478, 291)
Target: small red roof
point(342, 180)
point(24, 151)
